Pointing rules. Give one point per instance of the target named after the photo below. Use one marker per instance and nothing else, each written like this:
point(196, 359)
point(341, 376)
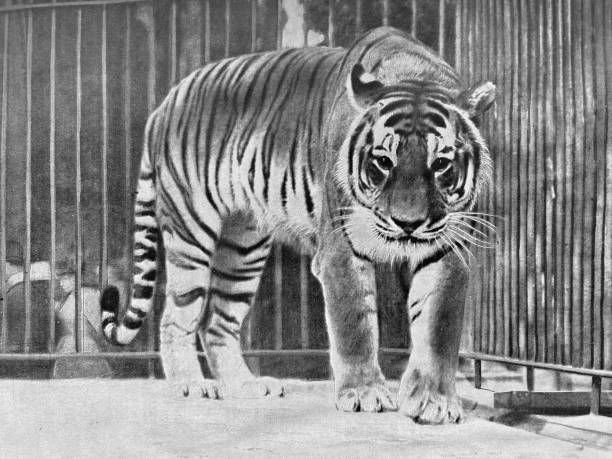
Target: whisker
point(464, 224)
point(468, 238)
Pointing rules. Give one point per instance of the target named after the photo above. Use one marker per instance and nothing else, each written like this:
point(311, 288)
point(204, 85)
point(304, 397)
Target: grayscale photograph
point(305, 228)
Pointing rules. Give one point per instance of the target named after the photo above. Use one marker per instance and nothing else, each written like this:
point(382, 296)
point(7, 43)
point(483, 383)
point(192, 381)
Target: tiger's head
point(412, 166)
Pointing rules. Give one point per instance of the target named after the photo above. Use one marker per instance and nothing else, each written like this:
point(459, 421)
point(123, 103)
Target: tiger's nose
point(408, 226)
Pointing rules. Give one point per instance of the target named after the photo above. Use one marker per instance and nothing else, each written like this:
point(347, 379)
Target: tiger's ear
point(477, 99)
point(361, 86)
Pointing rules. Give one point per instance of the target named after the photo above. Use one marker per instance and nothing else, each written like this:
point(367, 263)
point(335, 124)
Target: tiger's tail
point(146, 238)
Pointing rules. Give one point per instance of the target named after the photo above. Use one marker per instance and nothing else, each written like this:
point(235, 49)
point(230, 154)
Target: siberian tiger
point(358, 156)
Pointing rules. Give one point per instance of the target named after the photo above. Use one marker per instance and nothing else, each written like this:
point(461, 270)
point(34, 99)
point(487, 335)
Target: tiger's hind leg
point(235, 274)
point(188, 254)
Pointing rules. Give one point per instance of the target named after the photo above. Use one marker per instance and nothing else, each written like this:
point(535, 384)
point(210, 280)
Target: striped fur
point(295, 144)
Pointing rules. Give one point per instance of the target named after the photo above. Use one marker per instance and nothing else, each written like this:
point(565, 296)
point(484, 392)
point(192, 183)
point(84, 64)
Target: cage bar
point(595, 394)
point(151, 102)
point(127, 140)
point(207, 31)
point(529, 378)
point(477, 373)
point(441, 27)
point(358, 17)
point(227, 17)
point(3, 126)
point(413, 22)
point(27, 284)
point(52, 202)
point(173, 42)
point(385, 12)
point(331, 18)
point(79, 328)
point(104, 160)
point(278, 249)
point(253, 26)
point(304, 312)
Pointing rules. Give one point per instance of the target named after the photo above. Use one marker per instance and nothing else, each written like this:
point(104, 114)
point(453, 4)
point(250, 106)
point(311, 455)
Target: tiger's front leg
point(350, 304)
point(435, 307)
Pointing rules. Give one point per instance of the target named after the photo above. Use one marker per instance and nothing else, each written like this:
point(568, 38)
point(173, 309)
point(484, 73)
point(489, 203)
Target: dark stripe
point(256, 260)
point(391, 106)
point(437, 256)
point(253, 271)
point(416, 315)
point(398, 118)
point(182, 260)
point(439, 107)
point(145, 213)
point(230, 277)
point(137, 312)
point(307, 195)
point(226, 329)
point(226, 316)
point(216, 333)
point(435, 119)
point(244, 251)
point(108, 320)
point(132, 324)
point(284, 192)
point(187, 298)
point(355, 253)
point(150, 276)
point(233, 297)
point(142, 292)
point(109, 301)
point(149, 253)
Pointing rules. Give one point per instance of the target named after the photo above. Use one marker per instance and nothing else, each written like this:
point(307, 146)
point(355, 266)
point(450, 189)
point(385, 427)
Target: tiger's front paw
point(420, 398)
point(371, 398)
point(203, 388)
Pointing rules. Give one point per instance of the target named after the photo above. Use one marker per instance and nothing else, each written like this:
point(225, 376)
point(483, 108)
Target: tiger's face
point(411, 167)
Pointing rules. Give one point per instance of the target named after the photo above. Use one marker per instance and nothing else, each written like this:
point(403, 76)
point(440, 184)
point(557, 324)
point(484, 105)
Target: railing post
point(477, 374)
point(529, 378)
point(595, 394)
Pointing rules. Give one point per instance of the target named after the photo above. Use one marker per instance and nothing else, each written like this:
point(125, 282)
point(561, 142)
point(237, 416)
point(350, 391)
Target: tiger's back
point(245, 133)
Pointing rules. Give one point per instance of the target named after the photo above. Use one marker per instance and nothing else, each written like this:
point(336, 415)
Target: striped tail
point(146, 236)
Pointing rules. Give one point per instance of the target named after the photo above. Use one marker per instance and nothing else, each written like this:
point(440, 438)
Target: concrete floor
point(143, 419)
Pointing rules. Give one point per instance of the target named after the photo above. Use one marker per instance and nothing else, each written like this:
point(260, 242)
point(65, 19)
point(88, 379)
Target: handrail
point(74, 4)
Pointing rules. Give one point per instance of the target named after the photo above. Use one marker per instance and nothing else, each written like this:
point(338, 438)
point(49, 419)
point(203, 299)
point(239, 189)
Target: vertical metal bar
point(227, 28)
point(304, 313)
point(207, 31)
point(278, 249)
point(477, 374)
point(79, 328)
point(52, 203)
point(589, 186)
point(385, 12)
point(151, 102)
point(529, 378)
point(173, 41)
point(104, 232)
point(358, 17)
point(413, 24)
point(3, 126)
point(127, 139)
point(595, 394)
point(458, 36)
point(607, 226)
point(331, 18)
point(27, 285)
point(254, 46)
point(442, 27)
point(250, 317)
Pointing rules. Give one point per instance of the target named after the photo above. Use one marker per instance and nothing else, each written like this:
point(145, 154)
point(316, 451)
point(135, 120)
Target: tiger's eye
point(384, 162)
point(440, 165)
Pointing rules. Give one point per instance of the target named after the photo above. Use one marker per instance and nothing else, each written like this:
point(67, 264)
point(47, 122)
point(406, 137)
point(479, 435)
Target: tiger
point(356, 156)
